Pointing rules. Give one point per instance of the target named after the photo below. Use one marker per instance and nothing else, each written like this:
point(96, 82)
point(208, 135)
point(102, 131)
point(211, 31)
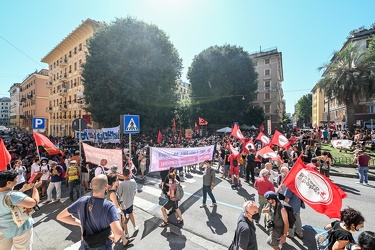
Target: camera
point(270, 224)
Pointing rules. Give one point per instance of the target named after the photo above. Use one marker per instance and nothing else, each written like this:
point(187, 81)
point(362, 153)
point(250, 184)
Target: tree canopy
point(303, 109)
point(131, 68)
point(223, 80)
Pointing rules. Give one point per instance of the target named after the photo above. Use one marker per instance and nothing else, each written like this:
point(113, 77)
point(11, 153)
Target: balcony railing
point(63, 107)
point(63, 91)
point(49, 109)
point(63, 62)
point(49, 84)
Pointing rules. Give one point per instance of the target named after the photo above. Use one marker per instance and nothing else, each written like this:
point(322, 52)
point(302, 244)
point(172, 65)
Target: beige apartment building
point(318, 107)
point(66, 100)
point(14, 109)
point(269, 96)
point(33, 99)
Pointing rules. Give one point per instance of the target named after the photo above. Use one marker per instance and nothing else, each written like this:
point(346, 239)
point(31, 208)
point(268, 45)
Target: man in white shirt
point(101, 169)
point(273, 174)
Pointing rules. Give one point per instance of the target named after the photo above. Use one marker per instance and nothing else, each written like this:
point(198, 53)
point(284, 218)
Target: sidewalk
point(351, 171)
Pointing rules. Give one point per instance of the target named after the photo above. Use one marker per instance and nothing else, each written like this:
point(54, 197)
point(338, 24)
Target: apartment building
point(14, 109)
point(4, 111)
point(33, 98)
point(66, 100)
point(183, 90)
point(269, 95)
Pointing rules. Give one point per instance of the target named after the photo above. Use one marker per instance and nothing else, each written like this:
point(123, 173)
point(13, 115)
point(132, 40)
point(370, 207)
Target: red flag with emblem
point(5, 156)
point(315, 189)
point(280, 140)
point(263, 138)
point(236, 132)
point(160, 137)
point(202, 122)
point(267, 152)
point(41, 140)
point(247, 145)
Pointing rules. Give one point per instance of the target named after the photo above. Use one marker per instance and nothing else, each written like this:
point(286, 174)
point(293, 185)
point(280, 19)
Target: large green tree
point(131, 68)
point(349, 78)
point(223, 80)
point(303, 109)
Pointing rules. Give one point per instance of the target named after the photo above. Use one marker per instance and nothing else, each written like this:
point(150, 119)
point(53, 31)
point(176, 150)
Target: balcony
point(23, 99)
point(49, 109)
point(48, 84)
point(63, 78)
point(63, 62)
point(30, 96)
point(63, 107)
point(63, 91)
point(22, 117)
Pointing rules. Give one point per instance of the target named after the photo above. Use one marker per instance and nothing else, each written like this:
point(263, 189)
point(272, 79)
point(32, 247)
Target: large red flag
point(5, 156)
point(202, 122)
point(196, 128)
point(280, 140)
point(41, 140)
point(160, 137)
point(247, 145)
point(267, 152)
point(262, 137)
point(236, 132)
point(315, 189)
point(174, 125)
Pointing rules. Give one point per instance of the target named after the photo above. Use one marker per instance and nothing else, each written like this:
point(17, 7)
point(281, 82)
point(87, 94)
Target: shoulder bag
point(19, 214)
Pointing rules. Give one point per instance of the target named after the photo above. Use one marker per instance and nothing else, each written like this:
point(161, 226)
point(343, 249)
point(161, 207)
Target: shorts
point(226, 168)
point(44, 184)
point(170, 204)
point(275, 234)
point(142, 168)
point(129, 210)
point(85, 176)
point(235, 170)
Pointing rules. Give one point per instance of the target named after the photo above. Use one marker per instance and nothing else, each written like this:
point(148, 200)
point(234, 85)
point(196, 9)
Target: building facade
point(34, 98)
point(66, 100)
point(183, 90)
point(14, 109)
point(269, 95)
point(4, 111)
point(318, 107)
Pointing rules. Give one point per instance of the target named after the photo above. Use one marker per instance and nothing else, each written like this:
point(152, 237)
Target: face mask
point(255, 216)
point(44, 163)
point(359, 229)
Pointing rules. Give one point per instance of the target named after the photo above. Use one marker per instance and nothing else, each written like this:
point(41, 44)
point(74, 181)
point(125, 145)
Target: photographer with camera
point(278, 223)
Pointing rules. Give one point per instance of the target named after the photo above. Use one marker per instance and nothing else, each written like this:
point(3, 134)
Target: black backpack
point(290, 212)
point(235, 162)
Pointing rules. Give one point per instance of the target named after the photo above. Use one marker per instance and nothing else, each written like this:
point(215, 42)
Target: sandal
point(180, 221)
point(164, 224)
point(130, 240)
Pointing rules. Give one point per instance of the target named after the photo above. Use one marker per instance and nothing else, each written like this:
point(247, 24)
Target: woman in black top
point(341, 235)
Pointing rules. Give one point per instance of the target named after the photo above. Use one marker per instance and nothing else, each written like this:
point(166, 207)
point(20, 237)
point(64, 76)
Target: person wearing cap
point(73, 175)
point(208, 183)
point(279, 217)
point(55, 179)
point(262, 185)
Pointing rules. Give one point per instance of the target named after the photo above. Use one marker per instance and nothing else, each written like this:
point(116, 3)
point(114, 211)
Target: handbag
point(19, 214)
point(97, 239)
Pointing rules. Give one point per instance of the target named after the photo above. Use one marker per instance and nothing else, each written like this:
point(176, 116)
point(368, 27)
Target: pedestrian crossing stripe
point(132, 126)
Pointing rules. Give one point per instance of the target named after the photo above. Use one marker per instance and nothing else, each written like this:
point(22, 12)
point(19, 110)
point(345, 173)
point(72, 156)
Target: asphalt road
point(204, 228)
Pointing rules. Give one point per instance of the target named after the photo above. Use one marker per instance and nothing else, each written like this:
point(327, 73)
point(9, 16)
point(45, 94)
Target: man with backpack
point(101, 168)
point(208, 184)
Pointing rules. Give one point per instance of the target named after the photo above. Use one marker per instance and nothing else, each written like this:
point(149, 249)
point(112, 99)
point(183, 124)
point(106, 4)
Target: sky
point(306, 32)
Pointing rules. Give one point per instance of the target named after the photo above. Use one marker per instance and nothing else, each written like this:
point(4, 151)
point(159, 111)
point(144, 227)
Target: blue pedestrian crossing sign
point(39, 124)
point(131, 124)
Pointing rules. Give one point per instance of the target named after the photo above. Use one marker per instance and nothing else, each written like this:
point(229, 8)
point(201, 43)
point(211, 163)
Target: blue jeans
point(362, 171)
point(74, 185)
point(207, 189)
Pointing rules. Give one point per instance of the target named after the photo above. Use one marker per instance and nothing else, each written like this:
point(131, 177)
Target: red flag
point(267, 152)
point(236, 132)
point(262, 137)
point(196, 128)
point(247, 145)
point(232, 149)
point(280, 140)
point(180, 135)
point(160, 137)
point(41, 140)
point(315, 189)
point(202, 122)
point(261, 128)
point(277, 158)
point(5, 156)
point(316, 128)
point(292, 140)
point(174, 125)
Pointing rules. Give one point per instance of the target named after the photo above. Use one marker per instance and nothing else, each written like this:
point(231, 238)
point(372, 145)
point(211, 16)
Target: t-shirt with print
point(7, 226)
point(102, 214)
point(46, 173)
point(21, 174)
point(54, 176)
point(72, 173)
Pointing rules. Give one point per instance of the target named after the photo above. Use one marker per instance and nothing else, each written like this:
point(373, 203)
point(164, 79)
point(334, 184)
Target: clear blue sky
point(306, 32)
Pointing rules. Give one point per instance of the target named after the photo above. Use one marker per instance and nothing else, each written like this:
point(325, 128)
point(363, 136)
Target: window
point(267, 61)
point(371, 109)
point(75, 50)
point(75, 66)
point(267, 96)
point(267, 72)
point(267, 108)
point(80, 47)
point(70, 53)
point(267, 84)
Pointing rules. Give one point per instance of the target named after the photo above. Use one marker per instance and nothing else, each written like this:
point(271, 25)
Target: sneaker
point(213, 205)
point(359, 182)
point(366, 184)
point(48, 201)
point(136, 229)
point(202, 205)
point(126, 236)
point(57, 200)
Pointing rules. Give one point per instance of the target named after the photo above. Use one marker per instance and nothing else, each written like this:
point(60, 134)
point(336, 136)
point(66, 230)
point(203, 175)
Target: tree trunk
point(350, 118)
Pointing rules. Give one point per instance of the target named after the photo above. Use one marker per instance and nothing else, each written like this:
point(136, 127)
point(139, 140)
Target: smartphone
point(35, 177)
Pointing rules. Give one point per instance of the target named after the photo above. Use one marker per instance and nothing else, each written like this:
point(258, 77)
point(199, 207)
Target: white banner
point(113, 156)
point(164, 158)
point(341, 143)
point(110, 135)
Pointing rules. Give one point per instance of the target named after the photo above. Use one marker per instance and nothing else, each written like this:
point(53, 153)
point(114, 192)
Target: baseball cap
point(73, 162)
point(270, 195)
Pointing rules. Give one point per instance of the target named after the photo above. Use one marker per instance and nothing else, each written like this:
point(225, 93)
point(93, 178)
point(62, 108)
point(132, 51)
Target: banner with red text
point(164, 158)
point(113, 156)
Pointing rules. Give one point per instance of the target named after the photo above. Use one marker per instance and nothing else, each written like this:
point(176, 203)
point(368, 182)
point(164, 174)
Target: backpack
point(322, 240)
point(241, 161)
point(291, 217)
point(179, 192)
point(235, 162)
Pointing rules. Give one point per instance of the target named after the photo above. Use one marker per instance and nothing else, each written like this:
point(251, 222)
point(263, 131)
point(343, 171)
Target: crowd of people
point(103, 216)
